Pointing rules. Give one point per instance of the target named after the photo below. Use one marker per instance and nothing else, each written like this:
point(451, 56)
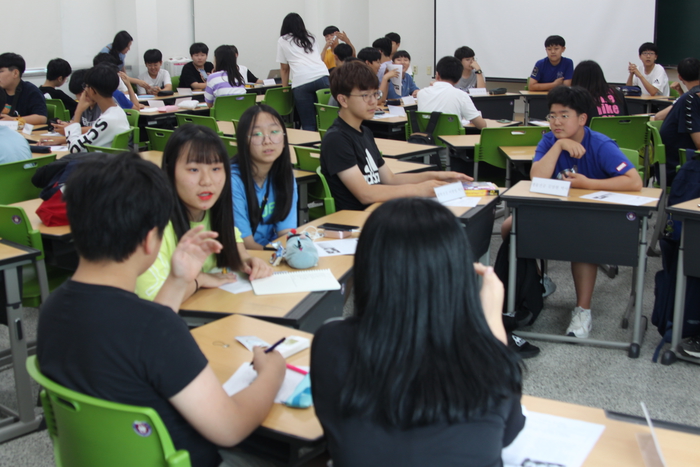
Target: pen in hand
point(272, 347)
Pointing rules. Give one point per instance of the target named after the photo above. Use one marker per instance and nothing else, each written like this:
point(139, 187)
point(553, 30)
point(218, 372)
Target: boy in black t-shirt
point(194, 74)
point(57, 72)
point(350, 159)
point(23, 98)
point(97, 337)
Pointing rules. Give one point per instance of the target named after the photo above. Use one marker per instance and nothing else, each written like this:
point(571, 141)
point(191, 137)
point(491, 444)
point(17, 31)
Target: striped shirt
point(218, 85)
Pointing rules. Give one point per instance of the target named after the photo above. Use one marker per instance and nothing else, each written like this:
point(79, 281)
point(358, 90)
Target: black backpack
point(418, 137)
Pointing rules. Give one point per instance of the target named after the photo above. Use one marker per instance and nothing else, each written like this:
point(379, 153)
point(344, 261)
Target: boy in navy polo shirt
point(23, 98)
point(554, 69)
point(589, 160)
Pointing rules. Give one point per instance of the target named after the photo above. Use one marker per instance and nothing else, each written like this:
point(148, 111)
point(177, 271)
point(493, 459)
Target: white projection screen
point(508, 35)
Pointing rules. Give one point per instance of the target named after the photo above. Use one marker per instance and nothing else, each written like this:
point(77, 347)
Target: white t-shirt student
point(304, 67)
point(444, 97)
point(161, 80)
point(112, 122)
point(657, 78)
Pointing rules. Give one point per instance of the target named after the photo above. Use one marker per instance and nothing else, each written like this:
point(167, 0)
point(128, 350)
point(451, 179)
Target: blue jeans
point(304, 99)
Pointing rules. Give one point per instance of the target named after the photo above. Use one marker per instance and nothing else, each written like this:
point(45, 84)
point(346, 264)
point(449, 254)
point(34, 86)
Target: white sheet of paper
point(53, 133)
point(11, 124)
point(544, 123)
point(147, 110)
point(396, 111)
point(619, 198)
point(59, 148)
point(182, 99)
point(478, 92)
point(156, 103)
point(549, 438)
point(241, 285)
point(28, 128)
point(395, 82)
point(384, 115)
point(184, 91)
point(345, 246)
point(449, 192)
point(197, 93)
point(245, 375)
point(467, 202)
point(408, 100)
point(251, 341)
point(269, 82)
point(549, 186)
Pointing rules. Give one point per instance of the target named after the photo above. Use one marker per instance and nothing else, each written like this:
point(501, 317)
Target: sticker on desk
point(28, 128)
point(619, 198)
point(550, 186)
point(449, 192)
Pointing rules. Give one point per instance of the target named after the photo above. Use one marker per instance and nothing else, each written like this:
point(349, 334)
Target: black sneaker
point(522, 347)
point(690, 346)
point(516, 320)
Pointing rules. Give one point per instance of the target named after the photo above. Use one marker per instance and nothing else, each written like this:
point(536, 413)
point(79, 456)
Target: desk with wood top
point(516, 155)
point(643, 104)
point(402, 150)
point(535, 105)
point(291, 435)
point(581, 230)
point(295, 137)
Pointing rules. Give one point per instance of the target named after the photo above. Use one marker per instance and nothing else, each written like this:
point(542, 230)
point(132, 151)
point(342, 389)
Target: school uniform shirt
point(344, 147)
point(149, 283)
point(658, 78)
point(161, 80)
point(218, 85)
point(602, 160)
point(465, 84)
point(265, 232)
point(679, 124)
point(304, 67)
point(545, 72)
point(29, 100)
point(68, 102)
point(444, 97)
point(190, 74)
point(13, 146)
point(112, 122)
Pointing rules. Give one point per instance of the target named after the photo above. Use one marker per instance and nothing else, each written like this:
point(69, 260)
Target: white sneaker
point(580, 324)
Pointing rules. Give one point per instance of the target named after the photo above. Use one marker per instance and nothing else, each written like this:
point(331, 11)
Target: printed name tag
point(550, 186)
point(449, 192)
point(28, 128)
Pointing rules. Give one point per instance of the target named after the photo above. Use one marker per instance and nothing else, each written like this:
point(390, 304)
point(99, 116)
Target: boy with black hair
point(373, 58)
point(653, 79)
point(342, 52)
point(13, 146)
point(472, 75)
point(23, 98)
point(408, 86)
point(122, 87)
point(157, 78)
point(57, 72)
point(194, 74)
point(383, 45)
point(395, 41)
point(444, 97)
point(553, 70)
point(333, 37)
point(589, 160)
point(131, 351)
point(350, 160)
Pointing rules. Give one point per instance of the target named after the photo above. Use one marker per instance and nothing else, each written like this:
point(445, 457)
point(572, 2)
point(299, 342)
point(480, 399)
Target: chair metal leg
point(43, 279)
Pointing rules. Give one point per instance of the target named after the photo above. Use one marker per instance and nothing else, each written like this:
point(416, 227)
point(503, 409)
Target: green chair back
point(16, 179)
point(673, 92)
point(308, 158)
point(231, 145)
point(60, 111)
point(50, 111)
point(104, 149)
point(323, 96)
point(325, 115)
point(491, 138)
point(209, 122)
point(228, 108)
point(628, 131)
point(448, 124)
point(632, 155)
point(320, 192)
point(122, 140)
point(175, 80)
point(87, 431)
point(157, 138)
point(280, 99)
point(132, 116)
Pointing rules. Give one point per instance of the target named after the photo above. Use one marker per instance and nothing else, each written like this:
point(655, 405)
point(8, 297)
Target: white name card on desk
point(449, 192)
point(269, 82)
point(396, 111)
point(408, 100)
point(478, 92)
point(12, 124)
point(156, 103)
point(184, 91)
point(549, 186)
point(28, 128)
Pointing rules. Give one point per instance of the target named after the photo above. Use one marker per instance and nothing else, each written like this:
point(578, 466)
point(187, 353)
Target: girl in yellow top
point(198, 167)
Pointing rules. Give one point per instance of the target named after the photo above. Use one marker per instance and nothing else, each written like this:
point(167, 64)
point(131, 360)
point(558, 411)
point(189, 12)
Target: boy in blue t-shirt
point(589, 160)
point(553, 70)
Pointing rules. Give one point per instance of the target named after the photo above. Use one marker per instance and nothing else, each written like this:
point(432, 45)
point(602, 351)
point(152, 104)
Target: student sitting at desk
point(609, 101)
point(156, 77)
point(97, 337)
point(333, 37)
point(472, 75)
point(589, 160)
point(90, 113)
point(264, 190)
point(23, 98)
point(395, 39)
point(383, 45)
point(13, 146)
point(342, 52)
point(226, 80)
point(553, 70)
point(194, 74)
point(123, 89)
point(198, 167)
point(420, 374)
point(444, 97)
point(373, 58)
point(653, 79)
point(57, 72)
point(350, 160)
point(408, 86)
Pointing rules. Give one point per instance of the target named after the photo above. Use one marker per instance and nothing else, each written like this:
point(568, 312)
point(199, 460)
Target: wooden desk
point(14, 424)
point(297, 429)
point(403, 150)
point(688, 265)
point(516, 155)
point(535, 105)
point(643, 104)
point(581, 230)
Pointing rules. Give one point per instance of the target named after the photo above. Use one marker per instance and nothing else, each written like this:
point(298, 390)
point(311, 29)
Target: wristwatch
point(478, 72)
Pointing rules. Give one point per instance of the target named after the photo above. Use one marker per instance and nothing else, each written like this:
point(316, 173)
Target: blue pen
point(272, 347)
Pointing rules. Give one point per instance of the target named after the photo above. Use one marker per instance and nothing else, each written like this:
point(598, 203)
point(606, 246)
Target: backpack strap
point(432, 123)
point(414, 121)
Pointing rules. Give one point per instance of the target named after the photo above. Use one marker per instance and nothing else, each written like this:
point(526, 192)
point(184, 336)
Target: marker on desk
point(297, 369)
point(272, 347)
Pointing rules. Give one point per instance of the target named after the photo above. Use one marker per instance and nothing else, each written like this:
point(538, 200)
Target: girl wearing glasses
point(264, 190)
point(197, 165)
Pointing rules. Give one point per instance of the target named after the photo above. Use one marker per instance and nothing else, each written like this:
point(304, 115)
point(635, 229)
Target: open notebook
point(313, 280)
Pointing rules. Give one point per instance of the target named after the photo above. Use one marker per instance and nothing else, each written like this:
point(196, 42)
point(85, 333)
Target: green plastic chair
point(158, 138)
point(673, 92)
point(323, 96)
point(280, 99)
point(16, 179)
point(448, 124)
point(175, 80)
point(308, 158)
point(104, 149)
point(628, 131)
point(87, 431)
point(231, 145)
point(50, 111)
point(325, 116)
point(320, 191)
point(227, 108)
point(38, 279)
point(209, 122)
point(132, 116)
point(491, 138)
point(60, 111)
point(123, 140)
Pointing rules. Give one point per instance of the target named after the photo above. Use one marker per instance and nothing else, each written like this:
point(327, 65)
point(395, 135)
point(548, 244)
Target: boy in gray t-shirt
point(472, 76)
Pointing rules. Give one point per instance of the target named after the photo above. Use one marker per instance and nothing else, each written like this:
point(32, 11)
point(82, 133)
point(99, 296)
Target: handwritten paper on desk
point(550, 186)
point(619, 198)
point(548, 438)
point(346, 246)
point(246, 374)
